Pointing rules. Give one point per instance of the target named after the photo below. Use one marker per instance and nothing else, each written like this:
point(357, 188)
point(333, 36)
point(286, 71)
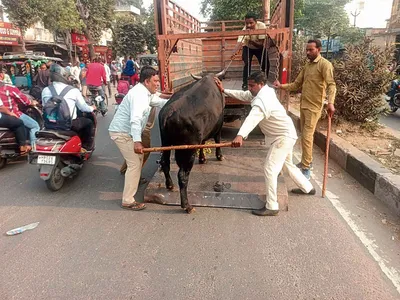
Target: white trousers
point(134, 164)
point(280, 156)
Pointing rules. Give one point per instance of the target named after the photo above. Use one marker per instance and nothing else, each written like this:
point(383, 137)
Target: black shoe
point(300, 192)
point(265, 212)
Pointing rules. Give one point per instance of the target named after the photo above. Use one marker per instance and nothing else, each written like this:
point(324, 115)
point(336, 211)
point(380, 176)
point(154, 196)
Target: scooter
point(393, 96)
point(59, 154)
point(9, 148)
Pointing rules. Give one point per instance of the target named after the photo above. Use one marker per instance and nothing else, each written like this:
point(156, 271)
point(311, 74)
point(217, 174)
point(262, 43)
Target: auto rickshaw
point(22, 67)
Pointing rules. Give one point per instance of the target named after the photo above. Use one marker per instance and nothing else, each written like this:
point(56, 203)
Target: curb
point(368, 172)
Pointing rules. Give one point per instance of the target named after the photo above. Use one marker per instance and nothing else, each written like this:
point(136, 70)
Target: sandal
point(134, 206)
point(25, 150)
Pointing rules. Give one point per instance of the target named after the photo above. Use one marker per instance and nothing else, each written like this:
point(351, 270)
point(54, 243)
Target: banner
point(9, 34)
point(79, 39)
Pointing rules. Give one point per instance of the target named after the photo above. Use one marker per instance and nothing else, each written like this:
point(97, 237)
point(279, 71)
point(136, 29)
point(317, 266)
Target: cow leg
point(165, 166)
point(218, 151)
point(202, 156)
point(185, 160)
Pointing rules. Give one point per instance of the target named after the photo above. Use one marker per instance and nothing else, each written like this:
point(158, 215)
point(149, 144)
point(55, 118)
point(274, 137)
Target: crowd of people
point(51, 79)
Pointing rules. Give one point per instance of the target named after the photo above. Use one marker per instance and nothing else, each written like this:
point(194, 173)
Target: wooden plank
point(271, 32)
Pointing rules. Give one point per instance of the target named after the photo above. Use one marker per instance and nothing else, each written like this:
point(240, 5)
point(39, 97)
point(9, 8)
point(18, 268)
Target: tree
point(362, 78)
point(128, 36)
point(96, 15)
point(149, 30)
point(61, 16)
point(323, 18)
point(237, 9)
point(24, 14)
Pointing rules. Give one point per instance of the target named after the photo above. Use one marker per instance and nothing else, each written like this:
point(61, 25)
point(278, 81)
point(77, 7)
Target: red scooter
point(59, 154)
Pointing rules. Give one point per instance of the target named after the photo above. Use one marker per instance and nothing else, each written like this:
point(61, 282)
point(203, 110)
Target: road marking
point(370, 244)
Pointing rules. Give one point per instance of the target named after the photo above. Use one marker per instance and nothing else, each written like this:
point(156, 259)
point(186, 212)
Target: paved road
point(392, 120)
point(86, 247)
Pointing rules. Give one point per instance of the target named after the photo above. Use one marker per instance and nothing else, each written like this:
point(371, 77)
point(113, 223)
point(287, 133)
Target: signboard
point(9, 34)
point(79, 39)
point(334, 45)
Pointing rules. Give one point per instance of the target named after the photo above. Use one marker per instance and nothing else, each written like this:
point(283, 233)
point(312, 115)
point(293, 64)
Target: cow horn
point(196, 77)
point(221, 74)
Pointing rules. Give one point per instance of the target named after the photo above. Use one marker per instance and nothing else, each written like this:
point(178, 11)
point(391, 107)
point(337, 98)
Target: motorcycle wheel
point(3, 162)
point(56, 180)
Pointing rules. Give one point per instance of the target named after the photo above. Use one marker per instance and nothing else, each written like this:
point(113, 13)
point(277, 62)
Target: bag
point(56, 113)
point(123, 87)
point(36, 92)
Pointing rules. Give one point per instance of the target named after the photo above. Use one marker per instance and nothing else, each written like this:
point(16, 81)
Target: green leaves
point(129, 36)
point(24, 13)
point(362, 77)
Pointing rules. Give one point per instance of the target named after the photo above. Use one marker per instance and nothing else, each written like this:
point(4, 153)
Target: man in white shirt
point(280, 135)
point(253, 45)
point(108, 77)
point(82, 126)
point(127, 127)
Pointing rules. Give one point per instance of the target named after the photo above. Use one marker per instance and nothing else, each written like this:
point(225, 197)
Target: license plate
point(46, 160)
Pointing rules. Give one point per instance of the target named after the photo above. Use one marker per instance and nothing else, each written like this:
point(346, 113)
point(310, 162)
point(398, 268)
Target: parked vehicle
point(207, 47)
point(393, 96)
point(9, 148)
point(59, 154)
point(148, 60)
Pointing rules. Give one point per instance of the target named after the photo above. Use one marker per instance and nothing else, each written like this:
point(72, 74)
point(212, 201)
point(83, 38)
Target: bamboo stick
point(186, 147)
point(328, 139)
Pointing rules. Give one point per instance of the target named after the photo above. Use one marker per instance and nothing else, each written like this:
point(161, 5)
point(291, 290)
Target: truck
point(187, 46)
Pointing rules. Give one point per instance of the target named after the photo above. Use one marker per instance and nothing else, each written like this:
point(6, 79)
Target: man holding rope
point(280, 133)
point(253, 45)
point(316, 83)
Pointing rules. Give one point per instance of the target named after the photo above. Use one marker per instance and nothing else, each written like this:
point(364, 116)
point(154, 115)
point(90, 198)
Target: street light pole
point(355, 15)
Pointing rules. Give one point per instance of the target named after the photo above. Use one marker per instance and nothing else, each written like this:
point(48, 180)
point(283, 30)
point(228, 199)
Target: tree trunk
point(68, 43)
point(90, 43)
point(23, 40)
point(327, 47)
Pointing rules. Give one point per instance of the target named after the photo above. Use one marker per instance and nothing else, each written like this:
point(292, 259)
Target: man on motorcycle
point(11, 97)
point(9, 120)
point(81, 125)
point(95, 78)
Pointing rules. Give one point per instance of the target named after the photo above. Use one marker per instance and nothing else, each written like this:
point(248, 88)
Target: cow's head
point(220, 75)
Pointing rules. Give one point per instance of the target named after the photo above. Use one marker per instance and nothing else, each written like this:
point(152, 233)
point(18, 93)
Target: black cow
point(191, 117)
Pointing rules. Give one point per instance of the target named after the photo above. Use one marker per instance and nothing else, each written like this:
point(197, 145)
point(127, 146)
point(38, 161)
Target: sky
point(374, 14)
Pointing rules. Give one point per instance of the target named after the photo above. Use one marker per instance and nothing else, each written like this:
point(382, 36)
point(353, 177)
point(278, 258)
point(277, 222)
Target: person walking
point(316, 83)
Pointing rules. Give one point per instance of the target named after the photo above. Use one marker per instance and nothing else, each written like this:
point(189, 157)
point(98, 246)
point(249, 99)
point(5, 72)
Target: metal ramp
point(236, 182)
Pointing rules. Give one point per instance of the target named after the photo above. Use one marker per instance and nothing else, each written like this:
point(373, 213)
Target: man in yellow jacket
point(316, 83)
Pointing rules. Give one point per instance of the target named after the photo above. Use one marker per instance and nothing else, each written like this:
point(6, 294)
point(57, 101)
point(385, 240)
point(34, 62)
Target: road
point(345, 246)
point(392, 120)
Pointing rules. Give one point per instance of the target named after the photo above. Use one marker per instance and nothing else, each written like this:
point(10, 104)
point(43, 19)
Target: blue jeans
point(32, 125)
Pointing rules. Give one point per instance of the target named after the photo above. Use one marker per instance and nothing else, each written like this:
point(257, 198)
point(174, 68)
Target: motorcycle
point(96, 99)
point(9, 148)
point(59, 154)
point(393, 96)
